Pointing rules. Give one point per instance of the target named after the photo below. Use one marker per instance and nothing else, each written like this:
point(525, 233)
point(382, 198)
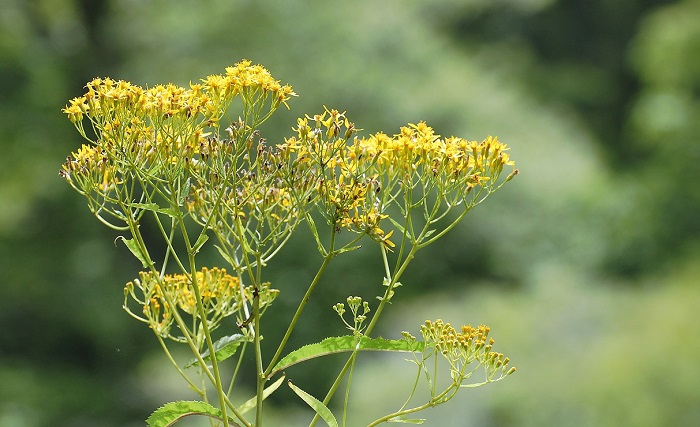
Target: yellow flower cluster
point(221, 296)
point(417, 155)
point(89, 169)
point(152, 138)
point(110, 99)
point(347, 196)
point(462, 348)
point(164, 126)
point(252, 197)
point(359, 178)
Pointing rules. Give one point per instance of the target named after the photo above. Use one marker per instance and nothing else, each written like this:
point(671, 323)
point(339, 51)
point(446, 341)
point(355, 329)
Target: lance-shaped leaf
point(402, 419)
point(201, 240)
point(318, 406)
point(136, 250)
point(153, 207)
point(172, 412)
point(184, 192)
point(253, 402)
point(223, 349)
point(342, 344)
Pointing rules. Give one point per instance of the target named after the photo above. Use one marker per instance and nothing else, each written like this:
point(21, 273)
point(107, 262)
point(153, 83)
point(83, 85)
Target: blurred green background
point(586, 266)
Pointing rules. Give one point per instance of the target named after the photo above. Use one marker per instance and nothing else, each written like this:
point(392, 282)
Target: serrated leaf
point(318, 406)
point(342, 344)
point(172, 412)
point(136, 250)
point(184, 192)
point(252, 403)
point(223, 349)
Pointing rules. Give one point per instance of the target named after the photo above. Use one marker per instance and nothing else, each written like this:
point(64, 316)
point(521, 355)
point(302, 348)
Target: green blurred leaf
point(145, 206)
point(184, 192)
point(224, 255)
point(153, 207)
point(201, 240)
point(136, 250)
point(404, 420)
point(318, 406)
point(223, 349)
point(252, 403)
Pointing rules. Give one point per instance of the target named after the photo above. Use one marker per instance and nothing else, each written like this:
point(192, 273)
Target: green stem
point(370, 327)
point(133, 227)
point(200, 309)
point(429, 404)
point(326, 260)
point(258, 359)
point(204, 324)
point(238, 367)
point(197, 390)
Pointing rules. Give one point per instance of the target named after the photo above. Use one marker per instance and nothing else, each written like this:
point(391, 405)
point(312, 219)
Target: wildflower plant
point(191, 162)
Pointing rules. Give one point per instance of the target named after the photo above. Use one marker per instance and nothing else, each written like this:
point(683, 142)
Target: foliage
point(588, 92)
point(161, 153)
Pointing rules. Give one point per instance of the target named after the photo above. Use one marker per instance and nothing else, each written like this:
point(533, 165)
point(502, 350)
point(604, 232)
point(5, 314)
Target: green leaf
point(347, 249)
point(252, 403)
point(136, 250)
point(145, 206)
point(225, 256)
point(402, 419)
point(200, 242)
point(223, 349)
point(170, 211)
point(172, 412)
point(397, 225)
point(318, 406)
point(184, 192)
point(342, 344)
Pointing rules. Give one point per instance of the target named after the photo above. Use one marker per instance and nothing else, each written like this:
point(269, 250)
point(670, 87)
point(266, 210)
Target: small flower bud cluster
point(462, 349)
point(221, 296)
point(359, 310)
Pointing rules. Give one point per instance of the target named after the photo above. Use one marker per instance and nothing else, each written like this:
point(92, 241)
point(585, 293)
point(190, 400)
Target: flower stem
point(258, 359)
point(326, 260)
point(202, 313)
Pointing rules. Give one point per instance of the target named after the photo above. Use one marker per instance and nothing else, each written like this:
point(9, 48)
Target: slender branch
point(326, 260)
point(202, 312)
point(258, 358)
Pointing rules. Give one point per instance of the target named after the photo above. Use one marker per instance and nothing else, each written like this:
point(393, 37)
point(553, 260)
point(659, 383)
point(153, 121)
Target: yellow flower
point(76, 109)
point(221, 296)
point(470, 345)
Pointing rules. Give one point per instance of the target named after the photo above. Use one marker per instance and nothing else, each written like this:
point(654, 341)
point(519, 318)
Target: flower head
point(463, 348)
point(221, 295)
